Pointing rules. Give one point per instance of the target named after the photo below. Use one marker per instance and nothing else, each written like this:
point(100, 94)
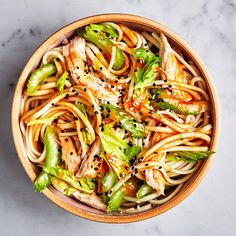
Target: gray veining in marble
point(210, 27)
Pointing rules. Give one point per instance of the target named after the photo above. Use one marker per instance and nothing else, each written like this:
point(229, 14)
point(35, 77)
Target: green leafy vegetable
point(102, 42)
point(146, 75)
point(116, 200)
point(190, 155)
point(87, 183)
point(192, 108)
point(146, 55)
point(42, 181)
point(112, 143)
point(143, 191)
point(81, 107)
point(61, 81)
point(108, 181)
point(114, 146)
point(52, 158)
point(62, 186)
point(134, 127)
point(132, 152)
point(105, 29)
point(42, 121)
point(167, 106)
point(69, 177)
point(38, 76)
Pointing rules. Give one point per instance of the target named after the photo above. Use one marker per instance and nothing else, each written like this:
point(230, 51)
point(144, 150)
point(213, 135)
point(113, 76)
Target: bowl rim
point(36, 56)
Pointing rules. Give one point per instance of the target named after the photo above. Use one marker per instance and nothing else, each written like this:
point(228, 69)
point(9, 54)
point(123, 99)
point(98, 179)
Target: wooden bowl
point(74, 206)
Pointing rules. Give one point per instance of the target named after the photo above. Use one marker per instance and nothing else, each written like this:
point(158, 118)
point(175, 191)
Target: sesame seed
point(71, 153)
point(81, 129)
point(77, 67)
point(100, 68)
point(66, 139)
point(58, 59)
point(85, 89)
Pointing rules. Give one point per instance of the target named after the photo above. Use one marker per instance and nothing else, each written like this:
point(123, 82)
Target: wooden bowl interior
point(72, 205)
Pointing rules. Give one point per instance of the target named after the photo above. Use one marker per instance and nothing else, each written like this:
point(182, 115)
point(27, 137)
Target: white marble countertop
point(210, 27)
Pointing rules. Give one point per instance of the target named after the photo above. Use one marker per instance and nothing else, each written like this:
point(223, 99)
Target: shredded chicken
point(90, 164)
point(90, 199)
point(69, 155)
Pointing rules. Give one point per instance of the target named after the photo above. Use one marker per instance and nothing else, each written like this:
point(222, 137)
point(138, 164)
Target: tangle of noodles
point(97, 113)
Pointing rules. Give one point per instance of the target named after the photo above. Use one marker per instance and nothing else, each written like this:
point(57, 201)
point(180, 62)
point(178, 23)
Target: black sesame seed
point(85, 89)
point(96, 112)
point(53, 104)
point(126, 76)
point(57, 59)
point(146, 164)
point(95, 168)
point(76, 94)
point(75, 118)
point(66, 139)
point(81, 129)
point(67, 96)
point(116, 81)
point(71, 153)
point(77, 67)
point(100, 68)
point(112, 86)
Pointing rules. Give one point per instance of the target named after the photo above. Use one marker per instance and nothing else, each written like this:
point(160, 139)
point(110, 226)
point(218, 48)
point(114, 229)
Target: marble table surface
point(210, 27)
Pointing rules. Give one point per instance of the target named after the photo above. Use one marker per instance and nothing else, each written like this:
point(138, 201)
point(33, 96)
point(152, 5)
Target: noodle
point(124, 121)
